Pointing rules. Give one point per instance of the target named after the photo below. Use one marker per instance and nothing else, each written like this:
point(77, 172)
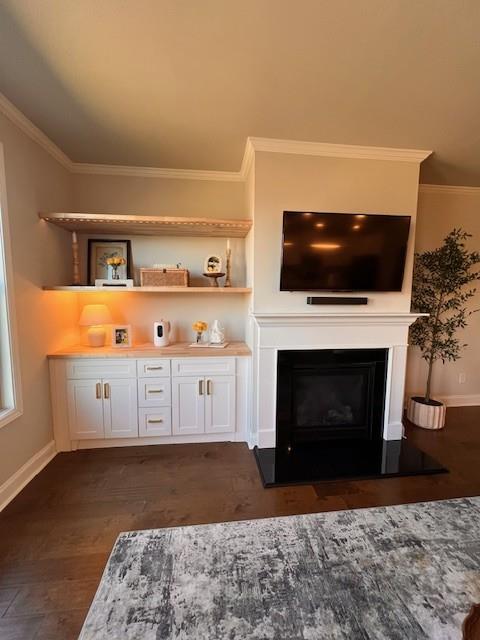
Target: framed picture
point(212, 264)
point(122, 335)
point(100, 251)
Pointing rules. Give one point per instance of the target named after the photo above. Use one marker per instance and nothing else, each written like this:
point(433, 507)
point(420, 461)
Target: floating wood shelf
point(186, 290)
point(148, 225)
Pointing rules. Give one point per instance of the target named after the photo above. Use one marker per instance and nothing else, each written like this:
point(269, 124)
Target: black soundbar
point(335, 300)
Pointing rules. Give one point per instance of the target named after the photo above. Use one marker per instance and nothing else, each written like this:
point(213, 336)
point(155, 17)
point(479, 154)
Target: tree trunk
point(433, 346)
point(429, 380)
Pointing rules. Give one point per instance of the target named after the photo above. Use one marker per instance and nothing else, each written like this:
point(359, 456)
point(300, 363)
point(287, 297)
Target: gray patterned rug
point(393, 573)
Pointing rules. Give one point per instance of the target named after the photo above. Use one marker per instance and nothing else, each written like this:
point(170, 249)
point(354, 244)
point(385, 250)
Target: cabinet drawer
point(156, 368)
point(154, 392)
point(203, 366)
point(88, 368)
point(155, 422)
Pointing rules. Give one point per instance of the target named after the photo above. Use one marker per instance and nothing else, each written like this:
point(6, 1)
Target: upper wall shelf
point(180, 290)
point(148, 225)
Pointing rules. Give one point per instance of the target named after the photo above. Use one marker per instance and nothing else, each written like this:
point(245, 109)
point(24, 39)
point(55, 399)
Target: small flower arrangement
point(115, 262)
point(199, 327)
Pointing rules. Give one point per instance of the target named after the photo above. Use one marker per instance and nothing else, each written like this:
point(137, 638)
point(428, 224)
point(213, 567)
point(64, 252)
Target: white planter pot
point(427, 416)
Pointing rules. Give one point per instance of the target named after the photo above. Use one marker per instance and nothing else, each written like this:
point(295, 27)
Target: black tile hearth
point(343, 459)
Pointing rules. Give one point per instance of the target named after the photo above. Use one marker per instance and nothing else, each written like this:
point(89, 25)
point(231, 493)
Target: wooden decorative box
point(164, 277)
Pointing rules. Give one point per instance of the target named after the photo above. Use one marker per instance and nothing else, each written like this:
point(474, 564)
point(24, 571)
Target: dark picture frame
point(95, 268)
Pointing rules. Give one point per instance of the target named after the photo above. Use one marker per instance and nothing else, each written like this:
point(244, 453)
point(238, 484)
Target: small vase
point(199, 337)
point(115, 274)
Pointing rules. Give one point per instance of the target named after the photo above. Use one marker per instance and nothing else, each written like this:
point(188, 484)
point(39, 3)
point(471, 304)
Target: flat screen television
point(343, 251)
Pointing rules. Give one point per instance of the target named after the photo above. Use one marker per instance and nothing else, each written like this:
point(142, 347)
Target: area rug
point(393, 573)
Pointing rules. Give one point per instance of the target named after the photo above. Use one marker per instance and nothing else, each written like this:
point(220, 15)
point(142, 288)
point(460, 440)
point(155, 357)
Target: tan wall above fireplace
point(312, 183)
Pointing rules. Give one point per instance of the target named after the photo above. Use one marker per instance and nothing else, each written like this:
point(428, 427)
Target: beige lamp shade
point(95, 314)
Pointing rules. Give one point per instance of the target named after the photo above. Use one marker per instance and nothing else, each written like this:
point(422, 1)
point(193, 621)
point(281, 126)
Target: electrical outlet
point(462, 378)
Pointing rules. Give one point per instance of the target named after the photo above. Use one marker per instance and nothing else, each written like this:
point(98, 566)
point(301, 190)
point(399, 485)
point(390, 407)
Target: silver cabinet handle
point(106, 391)
point(154, 368)
point(200, 387)
point(209, 387)
point(154, 420)
point(154, 390)
point(98, 391)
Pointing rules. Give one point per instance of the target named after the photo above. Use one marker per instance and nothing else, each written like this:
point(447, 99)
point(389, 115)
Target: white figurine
point(217, 335)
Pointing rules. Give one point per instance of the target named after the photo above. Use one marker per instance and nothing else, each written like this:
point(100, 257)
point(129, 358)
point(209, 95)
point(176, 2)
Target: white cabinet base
point(154, 440)
point(83, 421)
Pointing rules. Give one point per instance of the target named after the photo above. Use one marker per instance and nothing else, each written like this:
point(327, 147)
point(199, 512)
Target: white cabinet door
point(188, 405)
point(120, 408)
point(85, 409)
point(220, 404)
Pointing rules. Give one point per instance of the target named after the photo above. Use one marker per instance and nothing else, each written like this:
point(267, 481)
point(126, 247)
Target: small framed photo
point(100, 252)
point(212, 264)
point(122, 335)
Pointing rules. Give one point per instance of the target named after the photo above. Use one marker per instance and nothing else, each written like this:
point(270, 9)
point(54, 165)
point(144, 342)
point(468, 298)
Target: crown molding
point(328, 150)
point(446, 188)
point(248, 158)
point(10, 111)
point(271, 145)
point(155, 172)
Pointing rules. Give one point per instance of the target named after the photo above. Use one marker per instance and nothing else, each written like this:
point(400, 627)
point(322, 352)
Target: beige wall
point(142, 310)
point(158, 196)
point(438, 213)
point(308, 183)
point(40, 256)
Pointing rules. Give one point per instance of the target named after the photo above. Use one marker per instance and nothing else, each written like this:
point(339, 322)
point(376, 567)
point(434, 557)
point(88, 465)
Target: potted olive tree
point(441, 280)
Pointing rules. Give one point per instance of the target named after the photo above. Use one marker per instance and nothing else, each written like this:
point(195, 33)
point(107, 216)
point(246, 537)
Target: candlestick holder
point(228, 267)
point(75, 260)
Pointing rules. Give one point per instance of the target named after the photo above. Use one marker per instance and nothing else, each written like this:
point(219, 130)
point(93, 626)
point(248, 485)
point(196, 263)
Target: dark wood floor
point(55, 537)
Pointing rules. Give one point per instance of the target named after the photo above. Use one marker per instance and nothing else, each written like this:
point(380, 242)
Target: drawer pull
point(154, 390)
point(106, 390)
point(209, 387)
point(154, 420)
point(154, 368)
point(98, 391)
point(200, 387)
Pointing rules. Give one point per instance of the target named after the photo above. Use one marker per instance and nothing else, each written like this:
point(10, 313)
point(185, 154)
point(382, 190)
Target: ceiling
point(182, 83)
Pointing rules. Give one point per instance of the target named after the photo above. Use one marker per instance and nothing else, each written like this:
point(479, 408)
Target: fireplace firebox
point(330, 394)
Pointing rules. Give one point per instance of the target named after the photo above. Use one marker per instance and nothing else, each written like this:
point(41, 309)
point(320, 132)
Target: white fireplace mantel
point(271, 332)
point(336, 317)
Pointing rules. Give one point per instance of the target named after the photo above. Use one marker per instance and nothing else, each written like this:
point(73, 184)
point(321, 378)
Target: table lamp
point(94, 316)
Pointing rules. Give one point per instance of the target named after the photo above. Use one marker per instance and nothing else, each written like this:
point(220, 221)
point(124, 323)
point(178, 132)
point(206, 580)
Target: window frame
point(11, 404)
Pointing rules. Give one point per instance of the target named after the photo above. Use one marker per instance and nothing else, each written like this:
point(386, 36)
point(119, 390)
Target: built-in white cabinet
point(154, 392)
point(155, 400)
point(120, 408)
point(155, 422)
point(102, 408)
point(85, 409)
point(203, 395)
point(188, 405)
point(220, 404)
point(203, 405)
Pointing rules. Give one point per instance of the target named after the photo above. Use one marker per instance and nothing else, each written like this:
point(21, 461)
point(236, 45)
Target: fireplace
point(330, 394)
point(328, 397)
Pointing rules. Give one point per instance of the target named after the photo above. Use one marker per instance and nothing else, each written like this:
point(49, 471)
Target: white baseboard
point(472, 400)
point(11, 487)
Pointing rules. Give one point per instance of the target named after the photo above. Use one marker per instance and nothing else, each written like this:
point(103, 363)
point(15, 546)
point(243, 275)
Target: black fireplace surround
point(330, 416)
point(330, 394)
